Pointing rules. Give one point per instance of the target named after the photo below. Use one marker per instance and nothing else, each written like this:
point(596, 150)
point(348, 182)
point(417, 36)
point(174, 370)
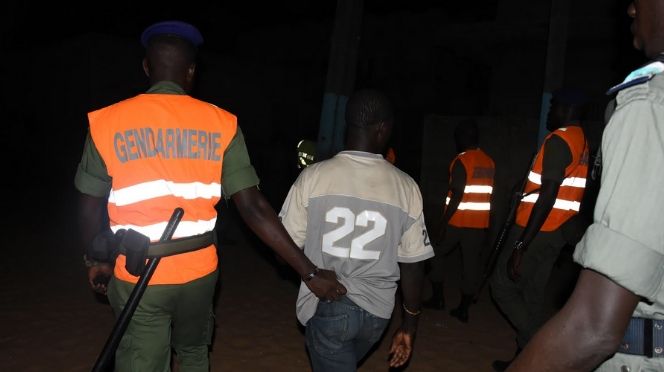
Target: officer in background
point(465, 219)
point(618, 303)
point(552, 196)
point(391, 155)
point(306, 153)
point(146, 156)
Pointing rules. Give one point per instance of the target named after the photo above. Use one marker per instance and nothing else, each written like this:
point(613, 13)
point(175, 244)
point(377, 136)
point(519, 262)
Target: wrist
point(411, 312)
point(90, 262)
point(409, 322)
point(311, 274)
point(519, 245)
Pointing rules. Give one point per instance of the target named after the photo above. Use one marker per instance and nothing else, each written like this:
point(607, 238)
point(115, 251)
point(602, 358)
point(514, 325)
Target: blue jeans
point(340, 334)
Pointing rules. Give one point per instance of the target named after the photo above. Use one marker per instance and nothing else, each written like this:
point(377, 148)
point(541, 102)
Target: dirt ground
point(51, 321)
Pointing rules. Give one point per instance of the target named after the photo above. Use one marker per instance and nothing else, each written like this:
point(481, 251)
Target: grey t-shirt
point(358, 215)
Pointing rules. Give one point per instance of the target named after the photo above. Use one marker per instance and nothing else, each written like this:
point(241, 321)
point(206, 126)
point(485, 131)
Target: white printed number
point(350, 220)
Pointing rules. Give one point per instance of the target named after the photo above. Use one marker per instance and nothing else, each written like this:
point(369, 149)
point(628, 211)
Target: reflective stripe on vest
point(565, 205)
point(185, 228)
point(164, 151)
point(570, 193)
point(154, 189)
point(470, 206)
point(473, 210)
point(536, 178)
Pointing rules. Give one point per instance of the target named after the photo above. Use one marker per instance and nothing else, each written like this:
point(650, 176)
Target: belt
point(177, 246)
point(643, 337)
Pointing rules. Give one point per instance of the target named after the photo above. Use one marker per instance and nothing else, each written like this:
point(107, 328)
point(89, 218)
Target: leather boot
point(461, 311)
point(502, 365)
point(437, 300)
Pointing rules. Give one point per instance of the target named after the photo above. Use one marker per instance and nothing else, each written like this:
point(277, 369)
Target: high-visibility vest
point(391, 155)
point(568, 200)
point(164, 151)
point(475, 205)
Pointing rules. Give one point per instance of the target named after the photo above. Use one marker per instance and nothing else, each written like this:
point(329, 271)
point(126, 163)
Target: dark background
point(267, 63)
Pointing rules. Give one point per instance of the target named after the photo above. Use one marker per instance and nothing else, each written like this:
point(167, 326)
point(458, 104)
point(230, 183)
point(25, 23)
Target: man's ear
point(191, 71)
point(383, 131)
point(381, 128)
point(146, 69)
point(386, 128)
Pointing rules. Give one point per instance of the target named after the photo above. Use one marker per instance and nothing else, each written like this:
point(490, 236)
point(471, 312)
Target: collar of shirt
point(362, 153)
point(166, 87)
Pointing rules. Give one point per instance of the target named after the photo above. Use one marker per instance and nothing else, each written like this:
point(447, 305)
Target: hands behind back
point(325, 285)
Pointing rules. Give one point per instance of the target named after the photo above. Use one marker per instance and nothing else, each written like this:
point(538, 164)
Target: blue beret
point(177, 28)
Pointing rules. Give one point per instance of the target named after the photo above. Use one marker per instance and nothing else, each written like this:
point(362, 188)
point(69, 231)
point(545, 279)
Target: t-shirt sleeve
point(415, 245)
point(237, 171)
point(557, 156)
point(625, 240)
point(91, 175)
point(293, 214)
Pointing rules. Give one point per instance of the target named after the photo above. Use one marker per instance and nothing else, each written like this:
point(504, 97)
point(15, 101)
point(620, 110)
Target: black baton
point(122, 322)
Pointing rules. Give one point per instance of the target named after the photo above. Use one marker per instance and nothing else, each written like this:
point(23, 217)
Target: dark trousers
point(470, 242)
point(177, 316)
point(524, 301)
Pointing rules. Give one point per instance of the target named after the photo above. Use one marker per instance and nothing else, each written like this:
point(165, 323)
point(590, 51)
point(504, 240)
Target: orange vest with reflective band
point(164, 151)
point(391, 156)
point(568, 200)
point(473, 211)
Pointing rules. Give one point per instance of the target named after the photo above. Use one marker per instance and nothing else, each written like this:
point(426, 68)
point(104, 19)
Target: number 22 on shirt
point(349, 221)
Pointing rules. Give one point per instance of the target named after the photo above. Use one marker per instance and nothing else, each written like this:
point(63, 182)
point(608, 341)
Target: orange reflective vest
point(568, 200)
point(475, 205)
point(164, 151)
point(391, 156)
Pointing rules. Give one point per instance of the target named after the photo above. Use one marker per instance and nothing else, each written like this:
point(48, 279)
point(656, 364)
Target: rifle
point(121, 324)
point(504, 231)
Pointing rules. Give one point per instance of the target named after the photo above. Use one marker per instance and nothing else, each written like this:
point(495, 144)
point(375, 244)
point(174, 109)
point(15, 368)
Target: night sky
point(220, 22)
point(267, 63)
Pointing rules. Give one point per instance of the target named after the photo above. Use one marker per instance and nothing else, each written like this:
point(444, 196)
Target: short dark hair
point(171, 49)
point(466, 132)
point(368, 107)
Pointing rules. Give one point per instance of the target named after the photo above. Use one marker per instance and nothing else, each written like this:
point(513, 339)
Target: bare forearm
point(450, 208)
point(570, 346)
point(541, 210)
point(90, 218)
point(585, 332)
point(263, 221)
point(456, 186)
point(412, 277)
point(455, 200)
